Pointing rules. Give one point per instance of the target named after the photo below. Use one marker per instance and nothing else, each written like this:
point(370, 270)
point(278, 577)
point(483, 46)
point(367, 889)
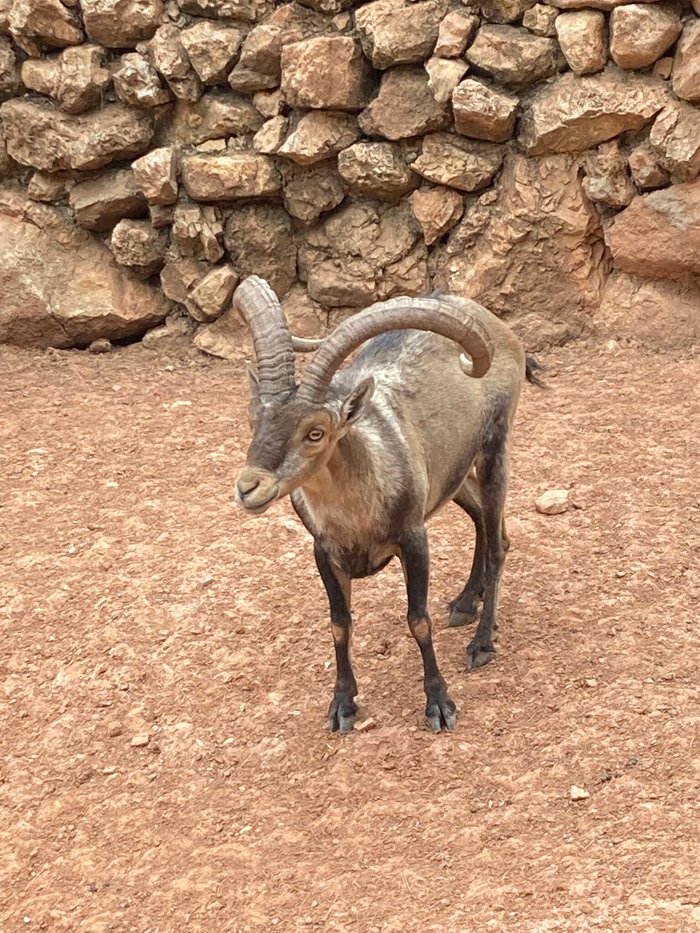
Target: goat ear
point(253, 381)
point(354, 405)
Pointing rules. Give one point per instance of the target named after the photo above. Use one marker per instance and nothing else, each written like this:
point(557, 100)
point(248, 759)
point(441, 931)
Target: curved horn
point(272, 342)
point(306, 344)
point(458, 322)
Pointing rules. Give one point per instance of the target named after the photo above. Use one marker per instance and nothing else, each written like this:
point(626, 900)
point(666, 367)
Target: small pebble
point(101, 345)
point(553, 502)
point(578, 793)
point(365, 725)
point(140, 740)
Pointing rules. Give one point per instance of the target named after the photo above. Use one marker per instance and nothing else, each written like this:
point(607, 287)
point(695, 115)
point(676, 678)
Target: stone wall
point(542, 158)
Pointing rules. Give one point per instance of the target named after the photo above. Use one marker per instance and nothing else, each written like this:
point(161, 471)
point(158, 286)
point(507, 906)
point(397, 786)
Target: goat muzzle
point(256, 490)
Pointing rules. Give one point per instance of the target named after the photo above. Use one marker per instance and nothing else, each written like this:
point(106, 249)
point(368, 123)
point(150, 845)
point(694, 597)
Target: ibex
point(370, 451)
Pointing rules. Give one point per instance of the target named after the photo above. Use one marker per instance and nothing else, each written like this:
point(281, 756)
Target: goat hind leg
point(440, 711)
point(464, 609)
point(343, 709)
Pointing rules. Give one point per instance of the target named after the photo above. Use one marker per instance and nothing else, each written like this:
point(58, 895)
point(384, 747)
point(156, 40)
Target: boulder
point(212, 48)
point(444, 74)
point(437, 210)
point(456, 31)
point(179, 276)
point(404, 107)
point(37, 25)
point(42, 137)
point(248, 11)
point(513, 56)
point(217, 115)
point(597, 4)
point(9, 70)
point(171, 60)
point(607, 179)
point(271, 135)
point(269, 103)
point(156, 175)
point(640, 33)
point(659, 233)
point(309, 191)
point(135, 244)
point(582, 38)
point(505, 11)
point(647, 172)
point(196, 231)
point(675, 140)
point(61, 286)
point(662, 314)
point(318, 136)
point(459, 163)
point(533, 247)
point(76, 79)
point(575, 113)
point(325, 73)
point(260, 241)
point(229, 175)
point(99, 203)
point(120, 24)
point(686, 64)
point(397, 32)
point(376, 169)
point(212, 294)
point(362, 252)
point(137, 83)
point(541, 19)
point(48, 188)
point(484, 112)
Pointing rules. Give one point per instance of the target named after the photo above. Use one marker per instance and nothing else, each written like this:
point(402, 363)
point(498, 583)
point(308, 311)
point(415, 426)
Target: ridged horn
point(433, 314)
point(272, 341)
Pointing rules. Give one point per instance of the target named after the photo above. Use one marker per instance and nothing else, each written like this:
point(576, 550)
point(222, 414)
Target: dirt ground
point(138, 605)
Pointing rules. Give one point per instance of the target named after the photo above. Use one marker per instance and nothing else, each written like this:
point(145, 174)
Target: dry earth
point(135, 601)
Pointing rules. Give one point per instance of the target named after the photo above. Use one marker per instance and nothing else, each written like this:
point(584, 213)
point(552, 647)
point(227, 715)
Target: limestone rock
point(260, 241)
point(514, 56)
point(444, 74)
point(224, 338)
point(179, 277)
point(583, 41)
point(663, 67)
point(597, 4)
point(686, 64)
point(647, 171)
point(48, 188)
point(397, 32)
point(437, 210)
point(659, 233)
point(229, 175)
point(504, 11)
point(120, 24)
point(641, 32)
point(40, 136)
point(328, 72)
point(460, 163)
point(171, 60)
point(136, 244)
point(555, 502)
point(136, 82)
point(541, 19)
point(376, 169)
point(361, 252)
point(675, 139)
point(9, 70)
point(161, 215)
point(271, 135)
point(196, 231)
point(99, 203)
point(607, 180)
point(310, 191)
point(176, 330)
point(212, 48)
point(217, 115)
point(156, 175)
point(574, 113)
point(248, 11)
point(404, 107)
point(304, 316)
point(268, 103)
point(455, 33)
point(61, 286)
point(552, 280)
point(76, 78)
point(318, 136)
point(483, 112)
point(36, 25)
point(211, 296)
point(663, 314)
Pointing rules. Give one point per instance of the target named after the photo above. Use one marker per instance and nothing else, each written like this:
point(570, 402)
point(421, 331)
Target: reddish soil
point(136, 601)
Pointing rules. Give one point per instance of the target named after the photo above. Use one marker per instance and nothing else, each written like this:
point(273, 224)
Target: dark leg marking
point(464, 609)
point(440, 711)
point(342, 711)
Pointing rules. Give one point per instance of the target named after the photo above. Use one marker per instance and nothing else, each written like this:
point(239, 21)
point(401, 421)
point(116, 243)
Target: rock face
point(36, 25)
point(325, 73)
point(319, 136)
point(662, 313)
point(582, 38)
point(138, 246)
point(686, 64)
point(675, 139)
point(212, 48)
point(482, 112)
point(120, 24)
point(404, 107)
point(607, 179)
point(659, 233)
point(573, 114)
point(640, 33)
point(377, 169)
point(231, 175)
point(455, 33)
point(61, 287)
point(437, 210)
point(395, 32)
point(260, 242)
point(450, 160)
point(76, 79)
point(310, 192)
point(514, 56)
point(98, 204)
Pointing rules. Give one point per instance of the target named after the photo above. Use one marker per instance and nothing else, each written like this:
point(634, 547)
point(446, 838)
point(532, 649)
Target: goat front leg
point(342, 711)
point(440, 711)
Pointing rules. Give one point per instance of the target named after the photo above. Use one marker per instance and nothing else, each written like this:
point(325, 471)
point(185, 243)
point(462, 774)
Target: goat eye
point(315, 434)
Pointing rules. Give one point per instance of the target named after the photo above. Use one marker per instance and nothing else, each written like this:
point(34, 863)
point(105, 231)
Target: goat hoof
point(464, 610)
point(458, 618)
point(478, 654)
point(341, 714)
point(441, 713)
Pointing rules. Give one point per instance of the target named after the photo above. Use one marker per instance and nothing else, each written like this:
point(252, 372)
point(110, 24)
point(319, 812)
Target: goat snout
point(256, 491)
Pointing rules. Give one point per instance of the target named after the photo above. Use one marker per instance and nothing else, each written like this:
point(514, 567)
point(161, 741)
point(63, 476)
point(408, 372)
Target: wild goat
point(371, 451)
